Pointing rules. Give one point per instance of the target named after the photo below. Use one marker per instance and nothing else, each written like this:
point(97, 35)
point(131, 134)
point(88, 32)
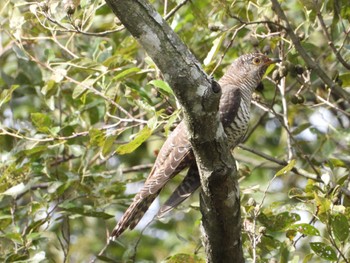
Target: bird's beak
point(272, 61)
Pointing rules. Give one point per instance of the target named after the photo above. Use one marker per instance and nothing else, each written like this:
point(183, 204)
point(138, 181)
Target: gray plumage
point(237, 85)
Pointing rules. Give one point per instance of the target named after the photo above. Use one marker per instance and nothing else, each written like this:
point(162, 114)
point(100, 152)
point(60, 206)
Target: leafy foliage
point(83, 112)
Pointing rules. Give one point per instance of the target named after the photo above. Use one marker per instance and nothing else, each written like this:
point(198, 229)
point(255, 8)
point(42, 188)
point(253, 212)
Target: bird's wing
point(189, 184)
point(229, 103)
point(174, 156)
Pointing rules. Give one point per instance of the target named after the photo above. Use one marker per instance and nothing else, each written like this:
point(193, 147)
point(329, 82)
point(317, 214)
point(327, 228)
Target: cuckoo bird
point(237, 84)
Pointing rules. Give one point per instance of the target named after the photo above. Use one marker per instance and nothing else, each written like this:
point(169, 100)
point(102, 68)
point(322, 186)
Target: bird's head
point(256, 63)
point(249, 69)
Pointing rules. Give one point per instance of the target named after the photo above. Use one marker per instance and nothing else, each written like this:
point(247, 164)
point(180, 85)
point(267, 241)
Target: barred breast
point(234, 113)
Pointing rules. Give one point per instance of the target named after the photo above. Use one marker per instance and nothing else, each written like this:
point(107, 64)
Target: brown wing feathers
point(174, 156)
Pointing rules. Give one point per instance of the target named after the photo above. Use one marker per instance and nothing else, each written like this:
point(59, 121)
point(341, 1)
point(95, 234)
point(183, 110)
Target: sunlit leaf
point(41, 121)
point(126, 73)
point(161, 85)
point(16, 190)
point(345, 78)
point(324, 206)
point(6, 94)
point(300, 128)
point(96, 137)
point(184, 258)
point(131, 146)
point(59, 75)
point(308, 258)
point(217, 44)
point(306, 229)
point(80, 89)
point(287, 168)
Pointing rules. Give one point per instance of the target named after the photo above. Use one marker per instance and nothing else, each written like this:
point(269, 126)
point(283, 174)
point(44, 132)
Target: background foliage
point(83, 111)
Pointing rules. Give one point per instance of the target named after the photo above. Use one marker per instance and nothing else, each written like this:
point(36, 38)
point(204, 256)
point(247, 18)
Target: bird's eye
point(256, 61)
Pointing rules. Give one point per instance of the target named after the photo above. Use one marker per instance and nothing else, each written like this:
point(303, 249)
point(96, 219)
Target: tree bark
point(199, 97)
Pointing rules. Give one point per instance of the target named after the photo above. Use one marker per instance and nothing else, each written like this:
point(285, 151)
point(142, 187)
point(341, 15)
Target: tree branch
point(330, 42)
point(308, 60)
point(199, 95)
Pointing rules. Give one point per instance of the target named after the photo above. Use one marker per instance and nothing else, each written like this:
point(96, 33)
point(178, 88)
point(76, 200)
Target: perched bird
point(237, 85)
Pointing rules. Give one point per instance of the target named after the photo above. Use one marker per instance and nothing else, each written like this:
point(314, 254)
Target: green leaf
point(41, 121)
point(324, 206)
point(97, 137)
point(340, 227)
point(79, 90)
point(170, 122)
point(268, 244)
point(108, 144)
point(161, 85)
point(306, 229)
point(6, 94)
point(284, 253)
point(85, 210)
point(308, 258)
point(345, 78)
point(300, 194)
point(16, 190)
point(337, 163)
point(15, 237)
point(286, 169)
point(105, 259)
point(59, 74)
point(126, 73)
point(217, 44)
point(35, 150)
point(278, 222)
point(86, 64)
point(300, 128)
point(131, 146)
point(184, 258)
point(324, 251)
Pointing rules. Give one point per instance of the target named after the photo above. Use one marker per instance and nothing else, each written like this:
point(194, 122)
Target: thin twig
point(175, 9)
point(308, 60)
point(282, 88)
point(226, 49)
point(330, 41)
point(280, 162)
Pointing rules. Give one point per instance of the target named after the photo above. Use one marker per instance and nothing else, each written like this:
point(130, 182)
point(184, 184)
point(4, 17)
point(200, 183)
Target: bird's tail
point(133, 214)
point(189, 184)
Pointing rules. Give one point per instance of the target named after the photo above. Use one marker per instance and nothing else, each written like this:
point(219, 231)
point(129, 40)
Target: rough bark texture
point(199, 97)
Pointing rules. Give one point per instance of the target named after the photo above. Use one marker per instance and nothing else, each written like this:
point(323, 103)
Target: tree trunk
point(199, 97)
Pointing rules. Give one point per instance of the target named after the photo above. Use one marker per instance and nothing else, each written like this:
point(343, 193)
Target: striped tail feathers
point(190, 183)
point(133, 214)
